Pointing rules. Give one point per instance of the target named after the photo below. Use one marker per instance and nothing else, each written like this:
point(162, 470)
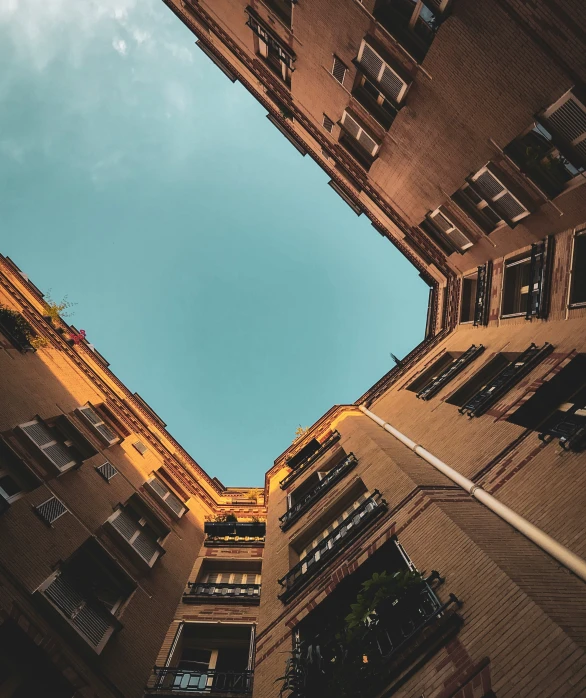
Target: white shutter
point(98, 424)
point(140, 540)
point(496, 192)
point(357, 132)
point(381, 72)
point(57, 453)
point(166, 496)
point(567, 117)
point(450, 230)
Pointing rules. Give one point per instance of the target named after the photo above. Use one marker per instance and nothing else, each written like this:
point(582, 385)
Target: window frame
point(571, 303)
point(4, 472)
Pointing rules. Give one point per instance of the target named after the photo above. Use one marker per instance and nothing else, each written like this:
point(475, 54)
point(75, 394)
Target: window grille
point(328, 123)
point(51, 510)
point(98, 424)
point(339, 70)
point(451, 230)
point(378, 70)
point(42, 437)
point(107, 471)
point(495, 192)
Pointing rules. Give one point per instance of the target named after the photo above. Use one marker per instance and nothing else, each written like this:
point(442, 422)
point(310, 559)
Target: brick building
point(458, 128)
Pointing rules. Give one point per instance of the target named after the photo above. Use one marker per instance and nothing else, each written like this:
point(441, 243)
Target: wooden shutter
point(567, 118)
point(378, 70)
point(339, 70)
point(357, 132)
point(493, 190)
point(98, 424)
point(173, 502)
point(57, 453)
point(450, 230)
point(140, 540)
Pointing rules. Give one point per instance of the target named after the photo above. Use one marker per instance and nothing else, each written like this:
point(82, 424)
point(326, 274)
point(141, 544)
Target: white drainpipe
point(552, 547)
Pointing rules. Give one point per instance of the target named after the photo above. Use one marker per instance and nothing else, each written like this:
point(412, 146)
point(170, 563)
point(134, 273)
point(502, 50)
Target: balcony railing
point(211, 592)
point(304, 464)
point(234, 532)
point(328, 548)
point(482, 299)
point(306, 502)
point(505, 380)
point(570, 428)
point(450, 372)
point(174, 680)
point(394, 639)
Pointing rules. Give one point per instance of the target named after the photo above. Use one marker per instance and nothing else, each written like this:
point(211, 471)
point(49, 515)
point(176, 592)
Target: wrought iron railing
point(570, 428)
point(505, 380)
point(306, 502)
point(392, 633)
point(536, 280)
point(450, 372)
point(218, 532)
point(328, 548)
point(482, 300)
point(186, 680)
point(304, 464)
point(221, 592)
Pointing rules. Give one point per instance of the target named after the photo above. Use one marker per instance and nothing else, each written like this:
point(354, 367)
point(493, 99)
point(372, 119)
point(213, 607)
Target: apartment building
point(102, 518)
point(456, 126)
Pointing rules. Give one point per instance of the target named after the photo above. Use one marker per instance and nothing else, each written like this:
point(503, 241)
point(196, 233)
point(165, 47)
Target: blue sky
point(209, 262)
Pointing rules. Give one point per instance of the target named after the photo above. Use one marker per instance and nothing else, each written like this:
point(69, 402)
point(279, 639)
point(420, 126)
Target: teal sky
point(210, 263)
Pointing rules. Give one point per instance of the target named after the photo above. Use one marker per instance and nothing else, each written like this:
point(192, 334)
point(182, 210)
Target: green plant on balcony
point(56, 311)
point(20, 330)
point(350, 658)
point(226, 518)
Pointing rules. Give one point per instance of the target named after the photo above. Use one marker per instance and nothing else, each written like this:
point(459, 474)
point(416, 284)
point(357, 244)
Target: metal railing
point(221, 591)
point(505, 380)
point(570, 429)
point(218, 532)
point(450, 372)
point(482, 299)
point(328, 548)
point(300, 467)
point(306, 502)
point(185, 680)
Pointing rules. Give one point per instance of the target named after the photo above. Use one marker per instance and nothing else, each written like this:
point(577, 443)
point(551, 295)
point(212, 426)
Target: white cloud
point(120, 46)
point(140, 36)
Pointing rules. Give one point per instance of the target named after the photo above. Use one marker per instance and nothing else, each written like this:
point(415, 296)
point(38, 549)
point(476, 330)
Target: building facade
point(375, 561)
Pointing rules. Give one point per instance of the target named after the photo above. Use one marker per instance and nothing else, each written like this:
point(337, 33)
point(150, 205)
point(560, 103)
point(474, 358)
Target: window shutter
point(339, 70)
point(508, 206)
point(98, 424)
point(173, 502)
point(58, 454)
point(567, 117)
point(125, 526)
point(131, 531)
point(451, 230)
point(107, 471)
point(357, 132)
point(380, 71)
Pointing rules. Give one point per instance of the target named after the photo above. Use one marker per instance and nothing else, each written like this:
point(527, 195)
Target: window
point(283, 9)
point(88, 592)
point(477, 208)
point(567, 120)
point(578, 286)
point(450, 230)
point(524, 284)
point(483, 392)
point(163, 494)
point(381, 74)
point(491, 188)
point(339, 70)
point(10, 488)
point(140, 447)
point(15, 478)
point(413, 23)
point(367, 141)
point(58, 451)
point(328, 124)
point(231, 577)
point(536, 155)
point(558, 407)
point(431, 373)
point(107, 471)
point(97, 425)
point(140, 529)
point(276, 54)
point(50, 510)
point(469, 286)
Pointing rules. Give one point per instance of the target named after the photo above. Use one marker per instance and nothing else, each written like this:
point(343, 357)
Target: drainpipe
point(558, 551)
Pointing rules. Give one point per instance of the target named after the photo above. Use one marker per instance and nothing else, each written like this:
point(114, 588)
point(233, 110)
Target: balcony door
point(193, 669)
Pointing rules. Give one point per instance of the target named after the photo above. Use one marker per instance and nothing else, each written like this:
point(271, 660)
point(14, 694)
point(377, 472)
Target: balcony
point(235, 533)
point(16, 329)
point(411, 23)
point(450, 372)
point(174, 681)
point(569, 426)
point(505, 379)
point(211, 592)
point(307, 501)
point(306, 456)
point(330, 547)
